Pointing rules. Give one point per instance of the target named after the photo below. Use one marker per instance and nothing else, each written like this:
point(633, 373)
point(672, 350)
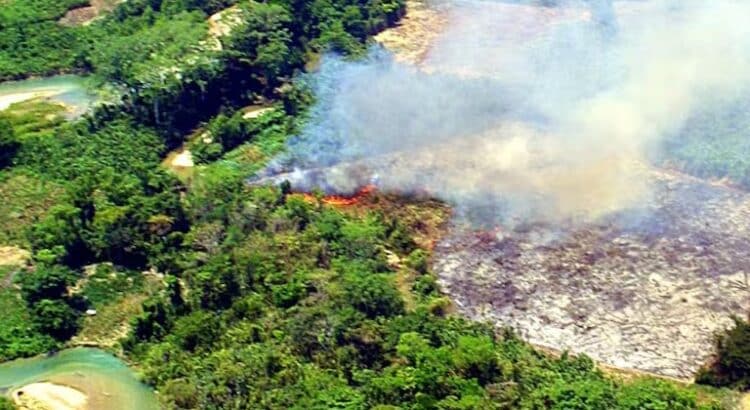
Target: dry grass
point(13, 256)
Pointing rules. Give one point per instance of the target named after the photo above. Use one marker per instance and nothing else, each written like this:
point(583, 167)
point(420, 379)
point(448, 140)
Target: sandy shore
point(8, 99)
point(49, 396)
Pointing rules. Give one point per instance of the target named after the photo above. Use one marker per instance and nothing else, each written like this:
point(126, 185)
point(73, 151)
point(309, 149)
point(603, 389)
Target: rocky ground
point(643, 290)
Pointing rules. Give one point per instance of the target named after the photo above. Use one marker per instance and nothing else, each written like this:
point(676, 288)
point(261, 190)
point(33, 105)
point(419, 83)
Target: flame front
point(341, 200)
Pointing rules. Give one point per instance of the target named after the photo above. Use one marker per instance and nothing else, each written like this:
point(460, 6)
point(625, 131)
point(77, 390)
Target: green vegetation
point(715, 145)
point(93, 190)
point(18, 338)
point(293, 305)
point(31, 41)
point(731, 366)
point(6, 404)
point(238, 297)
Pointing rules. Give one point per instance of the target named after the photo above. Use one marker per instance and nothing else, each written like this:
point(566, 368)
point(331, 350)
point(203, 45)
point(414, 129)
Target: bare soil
point(84, 15)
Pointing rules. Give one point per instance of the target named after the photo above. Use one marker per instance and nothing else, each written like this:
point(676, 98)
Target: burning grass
point(341, 200)
point(426, 218)
point(642, 282)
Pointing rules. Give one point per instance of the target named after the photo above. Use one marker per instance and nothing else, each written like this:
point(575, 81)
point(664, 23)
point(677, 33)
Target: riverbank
point(69, 91)
point(50, 396)
point(75, 379)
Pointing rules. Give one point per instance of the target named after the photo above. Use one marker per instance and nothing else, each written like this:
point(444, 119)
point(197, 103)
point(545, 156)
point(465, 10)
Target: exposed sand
point(220, 24)
point(255, 113)
point(183, 160)
point(8, 99)
point(49, 396)
point(81, 16)
point(13, 256)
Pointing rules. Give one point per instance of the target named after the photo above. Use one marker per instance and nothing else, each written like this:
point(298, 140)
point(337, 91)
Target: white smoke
point(538, 112)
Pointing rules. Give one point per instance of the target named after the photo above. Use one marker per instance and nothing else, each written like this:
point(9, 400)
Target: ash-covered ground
point(643, 290)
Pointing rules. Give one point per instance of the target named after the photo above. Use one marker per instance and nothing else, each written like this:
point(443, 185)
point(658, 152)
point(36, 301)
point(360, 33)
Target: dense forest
point(239, 296)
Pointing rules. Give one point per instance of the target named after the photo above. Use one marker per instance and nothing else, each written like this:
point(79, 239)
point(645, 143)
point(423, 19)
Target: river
point(106, 381)
point(69, 90)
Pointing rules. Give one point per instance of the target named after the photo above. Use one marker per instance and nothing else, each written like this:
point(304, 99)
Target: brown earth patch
point(86, 14)
point(410, 40)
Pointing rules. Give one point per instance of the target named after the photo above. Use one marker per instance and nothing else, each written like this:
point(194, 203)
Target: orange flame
point(341, 200)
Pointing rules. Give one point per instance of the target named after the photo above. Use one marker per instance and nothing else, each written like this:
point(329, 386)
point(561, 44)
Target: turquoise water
point(108, 382)
point(70, 90)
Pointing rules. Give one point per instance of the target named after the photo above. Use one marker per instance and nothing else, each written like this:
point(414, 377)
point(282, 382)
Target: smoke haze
point(529, 112)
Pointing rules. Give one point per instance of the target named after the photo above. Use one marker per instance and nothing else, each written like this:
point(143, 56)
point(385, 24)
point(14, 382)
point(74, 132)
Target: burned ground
point(644, 290)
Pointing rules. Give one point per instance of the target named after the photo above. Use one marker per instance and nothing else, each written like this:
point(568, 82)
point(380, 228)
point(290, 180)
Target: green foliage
point(56, 318)
point(732, 364)
point(262, 44)
point(107, 284)
point(119, 206)
point(54, 311)
point(714, 144)
point(225, 133)
point(155, 54)
point(6, 404)
point(26, 200)
point(46, 282)
point(18, 336)
point(33, 116)
point(372, 294)
point(656, 395)
point(17, 12)
point(32, 41)
point(289, 306)
point(8, 142)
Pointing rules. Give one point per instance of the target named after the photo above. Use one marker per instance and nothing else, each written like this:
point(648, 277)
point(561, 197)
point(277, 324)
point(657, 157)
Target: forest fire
point(342, 200)
point(601, 251)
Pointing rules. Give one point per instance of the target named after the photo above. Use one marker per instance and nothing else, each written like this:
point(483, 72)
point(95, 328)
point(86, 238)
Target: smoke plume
point(523, 111)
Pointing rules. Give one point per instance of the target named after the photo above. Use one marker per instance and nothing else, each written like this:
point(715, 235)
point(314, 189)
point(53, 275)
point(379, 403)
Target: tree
point(46, 282)
point(654, 394)
point(197, 330)
point(59, 232)
point(6, 404)
point(372, 294)
point(56, 318)
point(8, 143)
point(732, 364)
point(475, 358)
point(262, 44)
point(153, 323)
